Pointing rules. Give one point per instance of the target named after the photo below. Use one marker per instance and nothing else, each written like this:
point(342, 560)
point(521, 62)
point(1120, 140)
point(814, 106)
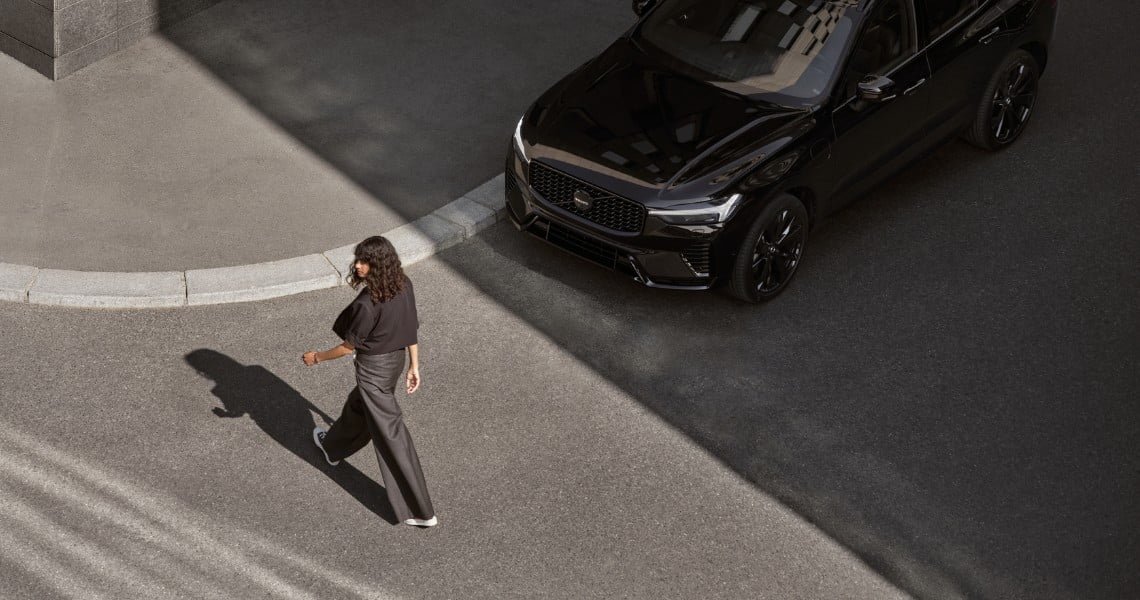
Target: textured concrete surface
point(468, 214)
point(262, 130)
point(260, 281)
point(22, 52)
point(15, 281)
point(490, 194)
point(416, 241)
point(28, 22)
point(108, 290)
point(341, 258)
point(120, 25)
point(423, 238)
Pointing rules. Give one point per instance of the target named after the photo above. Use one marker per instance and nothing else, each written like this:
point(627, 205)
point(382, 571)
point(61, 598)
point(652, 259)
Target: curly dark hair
point(385, 277)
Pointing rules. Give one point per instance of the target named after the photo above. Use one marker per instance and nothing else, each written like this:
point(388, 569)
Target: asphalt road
point(943, 405)
point(167, 454)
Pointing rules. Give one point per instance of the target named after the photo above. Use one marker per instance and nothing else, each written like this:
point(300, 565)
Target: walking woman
point(380, 326)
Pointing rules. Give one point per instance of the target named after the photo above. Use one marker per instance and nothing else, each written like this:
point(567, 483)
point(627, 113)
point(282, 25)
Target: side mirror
point(876, 89)
point(640, 7)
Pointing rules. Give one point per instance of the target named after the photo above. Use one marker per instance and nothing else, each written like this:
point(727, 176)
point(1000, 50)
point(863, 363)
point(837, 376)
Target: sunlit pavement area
point(943, 405)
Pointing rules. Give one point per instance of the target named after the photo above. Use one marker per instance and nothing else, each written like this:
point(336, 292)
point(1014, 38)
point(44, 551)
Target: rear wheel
point(1007, 103)
point(771, 252)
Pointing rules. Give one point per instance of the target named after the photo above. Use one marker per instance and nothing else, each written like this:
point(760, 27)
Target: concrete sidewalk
point(260, 131)
point(446, 226)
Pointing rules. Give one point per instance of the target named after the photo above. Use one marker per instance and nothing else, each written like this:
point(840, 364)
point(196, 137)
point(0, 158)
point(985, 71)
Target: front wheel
point(1007, 103)
point(771, 252)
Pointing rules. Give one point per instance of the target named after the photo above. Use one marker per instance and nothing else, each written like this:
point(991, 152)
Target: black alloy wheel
point(772, 251)
point(1007, 104)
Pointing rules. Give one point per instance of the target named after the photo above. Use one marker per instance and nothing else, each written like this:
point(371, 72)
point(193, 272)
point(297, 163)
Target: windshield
point(785, 48)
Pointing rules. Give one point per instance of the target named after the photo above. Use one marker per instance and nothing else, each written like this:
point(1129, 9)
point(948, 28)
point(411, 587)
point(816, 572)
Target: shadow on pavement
point(286, 417)
point(929, 393)
point(945, 446)
point(404, 98)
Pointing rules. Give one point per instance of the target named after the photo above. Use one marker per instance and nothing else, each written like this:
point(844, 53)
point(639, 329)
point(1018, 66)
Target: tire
point(1006, 104)
point(771, 252)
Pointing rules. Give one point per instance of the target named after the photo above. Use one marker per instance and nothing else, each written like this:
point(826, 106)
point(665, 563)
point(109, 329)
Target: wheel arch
point(806, 195)
point(1039, 53)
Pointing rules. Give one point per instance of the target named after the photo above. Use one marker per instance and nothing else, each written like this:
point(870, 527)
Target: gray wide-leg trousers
point(371, 413)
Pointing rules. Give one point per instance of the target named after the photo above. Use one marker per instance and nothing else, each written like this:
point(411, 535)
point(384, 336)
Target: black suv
point(704, 143)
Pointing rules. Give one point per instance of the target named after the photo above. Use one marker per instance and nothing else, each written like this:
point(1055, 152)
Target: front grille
point(579, 244)
point(697, 257)
point(608, 210)
point(584, 246)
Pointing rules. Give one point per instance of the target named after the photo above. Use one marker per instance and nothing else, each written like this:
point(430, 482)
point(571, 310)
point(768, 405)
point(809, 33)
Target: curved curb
point(446, 226)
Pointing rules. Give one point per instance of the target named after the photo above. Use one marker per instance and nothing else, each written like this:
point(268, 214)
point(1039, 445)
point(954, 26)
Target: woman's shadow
point(286, 416)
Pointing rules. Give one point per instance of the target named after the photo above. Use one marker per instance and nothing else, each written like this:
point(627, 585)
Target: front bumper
point(661, 255)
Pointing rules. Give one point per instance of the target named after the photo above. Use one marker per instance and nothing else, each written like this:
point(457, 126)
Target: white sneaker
point(318, 437)
point(432, 522)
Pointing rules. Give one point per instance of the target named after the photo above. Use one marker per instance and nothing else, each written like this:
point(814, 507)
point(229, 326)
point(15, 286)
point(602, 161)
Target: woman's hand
point(310, 358)
point(413, 379)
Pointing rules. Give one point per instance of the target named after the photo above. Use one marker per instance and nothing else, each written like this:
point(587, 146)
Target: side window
point(941, 15)
point(887, 40)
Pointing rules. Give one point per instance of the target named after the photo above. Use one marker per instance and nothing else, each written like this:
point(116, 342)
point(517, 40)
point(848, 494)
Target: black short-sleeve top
point(379, 327)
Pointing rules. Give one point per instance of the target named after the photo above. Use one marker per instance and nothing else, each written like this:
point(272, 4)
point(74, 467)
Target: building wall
point(59, 37)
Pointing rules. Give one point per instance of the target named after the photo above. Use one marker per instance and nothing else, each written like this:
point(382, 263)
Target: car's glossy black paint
point(826, 151)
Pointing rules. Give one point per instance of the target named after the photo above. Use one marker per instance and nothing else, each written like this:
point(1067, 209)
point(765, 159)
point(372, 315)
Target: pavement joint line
point(15, 281)
point(340, 276)
point(418, 240)
point(31, 282)
point(28, 288)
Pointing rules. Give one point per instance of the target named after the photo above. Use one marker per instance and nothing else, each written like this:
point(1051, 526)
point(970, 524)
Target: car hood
point(630, 125)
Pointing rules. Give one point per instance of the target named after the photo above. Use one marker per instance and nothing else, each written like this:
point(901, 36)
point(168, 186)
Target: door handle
point(914, 87)
point(989, 37)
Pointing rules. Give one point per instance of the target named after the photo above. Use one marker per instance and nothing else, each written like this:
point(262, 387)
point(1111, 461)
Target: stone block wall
point(59, 37)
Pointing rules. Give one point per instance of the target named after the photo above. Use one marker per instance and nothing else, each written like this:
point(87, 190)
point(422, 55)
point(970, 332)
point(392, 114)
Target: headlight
point(704, 212)
point(519, 145)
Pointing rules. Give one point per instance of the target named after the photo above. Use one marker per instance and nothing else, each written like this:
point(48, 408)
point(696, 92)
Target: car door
point(964, 46)
point(871, 139)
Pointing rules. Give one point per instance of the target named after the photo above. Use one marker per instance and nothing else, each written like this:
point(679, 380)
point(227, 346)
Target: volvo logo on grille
point(583, 200)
